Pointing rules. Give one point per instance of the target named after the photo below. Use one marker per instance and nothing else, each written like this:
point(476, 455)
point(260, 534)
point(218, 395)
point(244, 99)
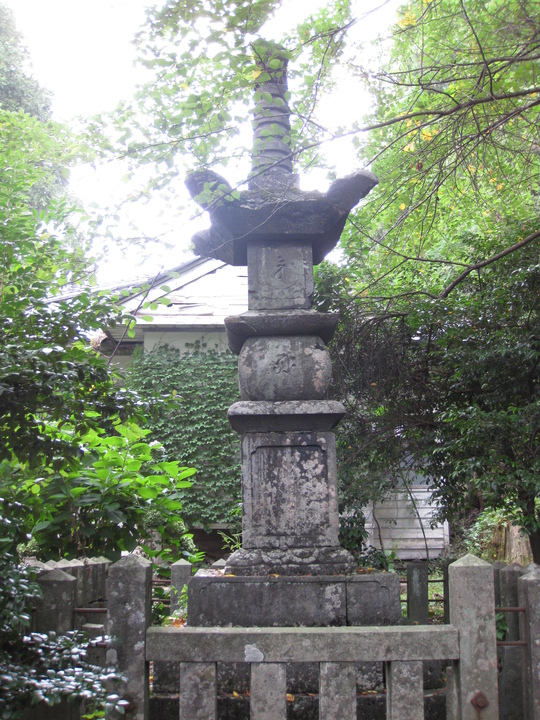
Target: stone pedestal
point(215, 599)
point(290, 507)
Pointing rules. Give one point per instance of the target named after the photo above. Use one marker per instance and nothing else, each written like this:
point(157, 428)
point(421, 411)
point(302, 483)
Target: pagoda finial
point(272, 165)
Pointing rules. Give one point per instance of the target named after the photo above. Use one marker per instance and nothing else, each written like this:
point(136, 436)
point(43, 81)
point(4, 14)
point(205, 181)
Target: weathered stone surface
point(95, 655)
point(417, 592)
point(510, 658)
point(291, 415)
point(129, 613)
point(273, 601)
point(284, 368)
point(198, 699)
point(373, 599)
point(296, 644)
point(54, 610)
point(273, 216)
point(337, 693)
point(289, 491)
point(346, 192)
point(370, 707)
point(404, 691)
point(511, 692)
point(472, 608)
point(497, 567)
point(284, 323)
point(215, 599)
point(291, 561)
point(180, 576)
point(267, 691)
point(280, 277)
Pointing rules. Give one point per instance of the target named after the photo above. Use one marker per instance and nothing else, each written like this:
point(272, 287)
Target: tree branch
point(446, 292)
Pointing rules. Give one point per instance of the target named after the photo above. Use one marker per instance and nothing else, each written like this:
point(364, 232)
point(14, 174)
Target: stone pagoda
point(289, 476)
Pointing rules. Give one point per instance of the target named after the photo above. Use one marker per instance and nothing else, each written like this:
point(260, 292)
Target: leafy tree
point(79, 476)
point(18, 89)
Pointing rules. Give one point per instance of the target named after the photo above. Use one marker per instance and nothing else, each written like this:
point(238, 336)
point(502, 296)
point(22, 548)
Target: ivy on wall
point(192, 392)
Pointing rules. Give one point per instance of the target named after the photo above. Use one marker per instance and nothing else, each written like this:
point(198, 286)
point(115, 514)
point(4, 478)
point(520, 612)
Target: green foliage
point(479, 537)
point(103, 504)
point(82, 476)
point(200, 385)
point(48, 373)
point(35, 667)
point(195, 109)
point(18, 89)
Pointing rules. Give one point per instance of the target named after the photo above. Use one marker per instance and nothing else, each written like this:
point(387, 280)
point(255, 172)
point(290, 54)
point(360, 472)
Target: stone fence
point(485, 679)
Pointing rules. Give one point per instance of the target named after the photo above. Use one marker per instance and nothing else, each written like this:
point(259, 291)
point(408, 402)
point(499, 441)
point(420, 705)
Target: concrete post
point(198, 691)
point(472, 612)
point(180, 576)
point(417, 592)
point(97, 586)
point(268, 691)
point(337, 691)
point(129, 615)
point(497, 567)
point(529, 597)
point(54, 610)
point(404, 690)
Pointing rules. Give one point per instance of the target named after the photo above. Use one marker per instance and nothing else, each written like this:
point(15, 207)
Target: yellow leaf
point(402, 206)
point(255, 74)
point(290, 697)
point(235, 694)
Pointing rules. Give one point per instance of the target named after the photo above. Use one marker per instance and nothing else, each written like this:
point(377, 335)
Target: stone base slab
point(285, 415)
point(291, 561)
point(215, 599)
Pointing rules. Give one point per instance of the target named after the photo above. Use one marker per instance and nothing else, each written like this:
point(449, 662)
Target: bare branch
point(484, 263)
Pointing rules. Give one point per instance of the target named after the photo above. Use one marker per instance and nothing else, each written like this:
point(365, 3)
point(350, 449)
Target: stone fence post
point(529, 598)
point(417, 592)
point(129, 614)
point(180, 576)
point(54, 610)
point(473, 681)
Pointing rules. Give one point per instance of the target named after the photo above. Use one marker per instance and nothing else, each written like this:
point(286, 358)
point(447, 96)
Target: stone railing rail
point(335, 649)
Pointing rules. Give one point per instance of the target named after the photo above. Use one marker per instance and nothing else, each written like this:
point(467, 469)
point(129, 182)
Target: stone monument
point(289, 477)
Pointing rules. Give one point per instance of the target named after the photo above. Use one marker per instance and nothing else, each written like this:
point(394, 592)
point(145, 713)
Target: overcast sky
point(82, 51)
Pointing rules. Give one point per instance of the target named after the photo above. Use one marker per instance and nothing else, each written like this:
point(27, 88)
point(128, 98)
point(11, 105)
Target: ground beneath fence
point(233, 706)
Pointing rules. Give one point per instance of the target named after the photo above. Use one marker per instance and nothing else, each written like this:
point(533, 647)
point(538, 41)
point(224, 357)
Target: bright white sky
point(81, 50)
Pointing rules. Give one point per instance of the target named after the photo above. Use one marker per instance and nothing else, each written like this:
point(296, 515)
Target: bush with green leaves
point(39, 667)
point(102, 504)
point(199, 386)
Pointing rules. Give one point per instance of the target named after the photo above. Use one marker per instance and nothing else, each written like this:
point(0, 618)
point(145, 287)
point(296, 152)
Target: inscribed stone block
point(280, 277)
point(289, 490)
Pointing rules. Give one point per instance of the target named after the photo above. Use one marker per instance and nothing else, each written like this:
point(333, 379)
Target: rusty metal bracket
point(479, 702)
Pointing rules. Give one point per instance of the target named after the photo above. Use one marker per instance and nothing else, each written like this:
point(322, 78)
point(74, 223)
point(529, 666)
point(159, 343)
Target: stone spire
point(272, 159)
point(289, 472)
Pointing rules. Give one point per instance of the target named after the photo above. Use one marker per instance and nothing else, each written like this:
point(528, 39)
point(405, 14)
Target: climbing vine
point(192, 392)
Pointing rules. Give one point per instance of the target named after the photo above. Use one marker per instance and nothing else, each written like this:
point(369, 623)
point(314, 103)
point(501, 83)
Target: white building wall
point(406, 526)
